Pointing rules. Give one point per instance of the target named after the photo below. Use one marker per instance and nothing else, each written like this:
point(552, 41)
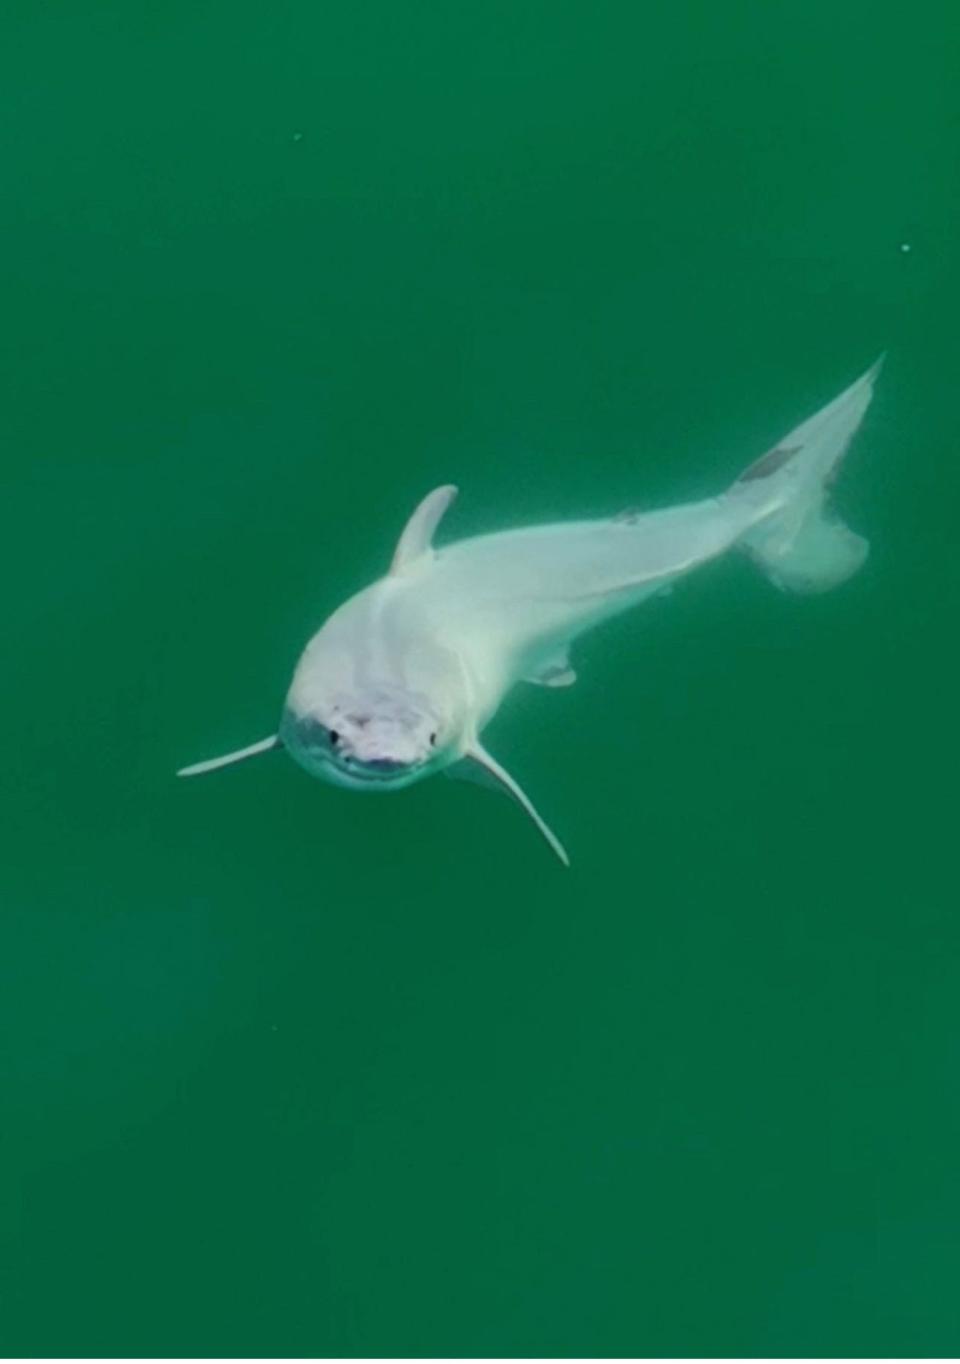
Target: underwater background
point(289, 1070)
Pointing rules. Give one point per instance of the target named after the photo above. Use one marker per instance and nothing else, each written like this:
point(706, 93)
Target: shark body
point(403, 678)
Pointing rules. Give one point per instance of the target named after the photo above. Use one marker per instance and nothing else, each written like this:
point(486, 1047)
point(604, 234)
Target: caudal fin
point(797, 539)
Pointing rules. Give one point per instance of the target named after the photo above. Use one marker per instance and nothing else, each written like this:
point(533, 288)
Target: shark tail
point(797, 538)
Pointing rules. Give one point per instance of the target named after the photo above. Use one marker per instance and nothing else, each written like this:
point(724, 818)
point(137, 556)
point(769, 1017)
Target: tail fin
point(800, 543)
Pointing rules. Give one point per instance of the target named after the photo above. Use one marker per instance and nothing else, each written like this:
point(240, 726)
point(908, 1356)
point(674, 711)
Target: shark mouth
point(372, 774)
point(372, 769)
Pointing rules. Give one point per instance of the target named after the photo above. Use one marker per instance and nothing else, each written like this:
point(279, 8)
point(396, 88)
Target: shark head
point(373, 738)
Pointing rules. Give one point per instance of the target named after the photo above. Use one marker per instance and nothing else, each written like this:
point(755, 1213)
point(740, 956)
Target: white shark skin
point(402, 679)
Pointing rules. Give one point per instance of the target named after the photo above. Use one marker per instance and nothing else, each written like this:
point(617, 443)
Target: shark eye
point(433, 740)
point(333, 736)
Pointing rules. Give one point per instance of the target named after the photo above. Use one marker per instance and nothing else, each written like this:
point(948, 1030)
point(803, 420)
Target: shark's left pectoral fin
point(417, 537)
point(477, 765)
point(211, 764)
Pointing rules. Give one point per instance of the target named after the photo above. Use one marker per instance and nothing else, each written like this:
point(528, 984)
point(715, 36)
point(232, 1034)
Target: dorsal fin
point(418, 532)
point(477, 754)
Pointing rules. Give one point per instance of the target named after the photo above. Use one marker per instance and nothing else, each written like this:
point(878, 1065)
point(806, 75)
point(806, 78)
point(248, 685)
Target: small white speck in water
point(905, 247)
point(298, 137)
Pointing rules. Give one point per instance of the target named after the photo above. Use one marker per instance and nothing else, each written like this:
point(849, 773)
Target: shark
point(403, 678)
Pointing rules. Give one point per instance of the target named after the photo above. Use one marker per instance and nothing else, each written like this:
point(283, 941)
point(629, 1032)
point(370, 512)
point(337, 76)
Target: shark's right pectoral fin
point(211, 764)
point(477, 765)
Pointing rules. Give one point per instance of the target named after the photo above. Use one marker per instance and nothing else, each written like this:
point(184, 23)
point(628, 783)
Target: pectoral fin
point(211, 764)
point(477, 765)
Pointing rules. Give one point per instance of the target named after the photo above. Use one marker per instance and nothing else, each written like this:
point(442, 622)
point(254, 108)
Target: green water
point(290, 1070)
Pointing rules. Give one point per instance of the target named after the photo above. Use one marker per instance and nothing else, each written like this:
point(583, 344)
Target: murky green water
point(288, 1070)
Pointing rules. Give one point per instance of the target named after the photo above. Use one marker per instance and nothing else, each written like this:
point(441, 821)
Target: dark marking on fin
point(769, 463)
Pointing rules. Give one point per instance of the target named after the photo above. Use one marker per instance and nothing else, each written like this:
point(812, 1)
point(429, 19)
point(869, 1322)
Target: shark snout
point(383, 747)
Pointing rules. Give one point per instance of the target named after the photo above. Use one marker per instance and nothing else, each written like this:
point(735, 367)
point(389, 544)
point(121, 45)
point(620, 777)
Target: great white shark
point(402, 679)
